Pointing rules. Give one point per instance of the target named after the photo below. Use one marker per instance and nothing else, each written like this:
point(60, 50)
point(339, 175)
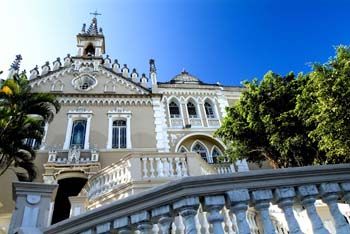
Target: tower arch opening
point(89, 50)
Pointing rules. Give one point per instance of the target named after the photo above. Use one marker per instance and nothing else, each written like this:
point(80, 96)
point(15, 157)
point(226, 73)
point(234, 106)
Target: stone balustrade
point(213, 122)
point(156, 167)
point(109, 179)
point(73, 156)
point(176, 123)
point(225, 203)
point(160, 166)
point(224, 168)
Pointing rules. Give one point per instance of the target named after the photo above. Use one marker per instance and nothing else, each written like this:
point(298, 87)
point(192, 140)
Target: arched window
point(182, 149)
point(119, 134)
point(201, 150)
point(174, 110)
point(78, 133)
point(215, 155)
point(209, 110)
point(191, 109)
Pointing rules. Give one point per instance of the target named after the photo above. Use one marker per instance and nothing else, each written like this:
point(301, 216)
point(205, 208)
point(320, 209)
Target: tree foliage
point(263, 125)
point(22, 116)
point(324, 106)
point(293, 121)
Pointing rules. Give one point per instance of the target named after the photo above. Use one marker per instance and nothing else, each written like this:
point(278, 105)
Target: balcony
point(138, 172)
point(72, 160)
point(262, 201)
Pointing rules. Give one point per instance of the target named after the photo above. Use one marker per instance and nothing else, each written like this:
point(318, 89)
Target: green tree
point(22, 116)
point(324, 106)
point(264, 126)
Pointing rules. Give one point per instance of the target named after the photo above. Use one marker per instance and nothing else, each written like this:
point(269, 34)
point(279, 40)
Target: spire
point(90, 41)
point(93, 29)
point(14, 68)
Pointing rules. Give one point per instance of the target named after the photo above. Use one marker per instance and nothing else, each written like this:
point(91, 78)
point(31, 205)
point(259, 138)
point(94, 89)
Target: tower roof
point(93, 29)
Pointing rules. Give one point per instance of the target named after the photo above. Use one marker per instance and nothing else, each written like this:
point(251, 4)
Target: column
point(87, 133)
point(284, 198)
point(68, 133)
point(187, 208)
point(307, 195)
point(32, 211)
point(238, 200)
point(346, 190)
point(128, 132)
point(163, 215)
point(329, 193)
point(122, 225)
point(110, 132)
point(214, 204)
point(142, 222)
point(262, 199)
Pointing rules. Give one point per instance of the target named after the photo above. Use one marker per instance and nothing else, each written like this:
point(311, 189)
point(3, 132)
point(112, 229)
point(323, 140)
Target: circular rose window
point(84, 83)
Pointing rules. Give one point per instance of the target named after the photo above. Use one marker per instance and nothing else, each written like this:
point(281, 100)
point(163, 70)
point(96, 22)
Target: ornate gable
point(86, 80)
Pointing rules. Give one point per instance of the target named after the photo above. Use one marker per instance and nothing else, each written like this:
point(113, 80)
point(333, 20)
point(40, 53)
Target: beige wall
point(142, 126)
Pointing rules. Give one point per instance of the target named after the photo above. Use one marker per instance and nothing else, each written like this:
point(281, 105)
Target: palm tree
point(23, 115)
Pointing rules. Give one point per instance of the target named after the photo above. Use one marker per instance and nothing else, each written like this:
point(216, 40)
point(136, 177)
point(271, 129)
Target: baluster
point(163, 215)
point(262, 200)
point(205, 224)
point(180, 228)
point(329, 192)
point(151, 167)
point(184, 166)
point(214, 205)
point(198, 224)
point(232, 168)
point(165, 167)
point(228, 223)
point(171, 166)
point(159, 166)
point(142, 221)
point(346, 190)
point(145, 171)
point(187, 208)
point(238, 200)
point(308, 194)
point(178, 167)
point(285, 198)
point(122, 225)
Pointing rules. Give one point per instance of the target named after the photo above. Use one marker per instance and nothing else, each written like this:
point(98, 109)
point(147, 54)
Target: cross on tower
point(95, 13)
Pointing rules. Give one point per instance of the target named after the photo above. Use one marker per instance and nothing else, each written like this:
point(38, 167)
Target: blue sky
point(216, 40)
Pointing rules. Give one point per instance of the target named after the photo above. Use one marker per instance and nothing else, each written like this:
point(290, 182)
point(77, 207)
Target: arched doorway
point(67, 187)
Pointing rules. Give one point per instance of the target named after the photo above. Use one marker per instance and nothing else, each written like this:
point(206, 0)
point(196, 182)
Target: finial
point(15, 65)
point(152, 65)
point(83, 29)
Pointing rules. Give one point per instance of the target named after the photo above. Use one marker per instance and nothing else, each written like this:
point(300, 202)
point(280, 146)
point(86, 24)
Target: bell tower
point(91, 42)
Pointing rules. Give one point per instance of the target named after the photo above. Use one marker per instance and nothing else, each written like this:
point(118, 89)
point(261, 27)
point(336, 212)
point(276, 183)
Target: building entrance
point(67, 187)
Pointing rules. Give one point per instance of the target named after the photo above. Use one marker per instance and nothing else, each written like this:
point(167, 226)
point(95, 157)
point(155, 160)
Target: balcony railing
point(140, 168)
point(226, 203)
point(73, 156)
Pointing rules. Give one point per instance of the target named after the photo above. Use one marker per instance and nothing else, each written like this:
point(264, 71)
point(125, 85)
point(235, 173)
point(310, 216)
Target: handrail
point(204, 186)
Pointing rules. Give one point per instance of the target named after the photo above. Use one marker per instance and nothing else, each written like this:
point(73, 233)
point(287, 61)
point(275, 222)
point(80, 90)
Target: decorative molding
point(105, 101)
point(160, 125)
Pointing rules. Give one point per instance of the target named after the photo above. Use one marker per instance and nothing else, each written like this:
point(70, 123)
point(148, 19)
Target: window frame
point(123, 127)
point(119, 114)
